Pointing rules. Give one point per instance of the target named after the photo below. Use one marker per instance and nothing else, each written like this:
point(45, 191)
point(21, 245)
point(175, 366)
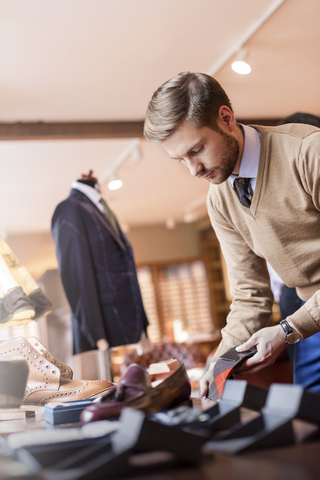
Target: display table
point(300, 461)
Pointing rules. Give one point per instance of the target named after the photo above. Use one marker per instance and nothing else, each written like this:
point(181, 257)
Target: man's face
point(208, 154)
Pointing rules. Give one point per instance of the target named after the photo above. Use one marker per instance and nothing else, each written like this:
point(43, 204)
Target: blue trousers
point(305, 355)
point(306, 363)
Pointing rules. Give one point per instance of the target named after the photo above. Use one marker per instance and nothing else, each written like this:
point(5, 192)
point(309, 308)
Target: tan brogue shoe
point(65, 371)
point(45, 382)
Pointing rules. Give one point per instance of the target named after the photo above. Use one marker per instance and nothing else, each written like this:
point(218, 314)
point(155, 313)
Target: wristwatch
point(292, 336)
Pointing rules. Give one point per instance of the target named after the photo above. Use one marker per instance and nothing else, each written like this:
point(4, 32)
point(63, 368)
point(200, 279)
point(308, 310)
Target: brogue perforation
point(47, 373)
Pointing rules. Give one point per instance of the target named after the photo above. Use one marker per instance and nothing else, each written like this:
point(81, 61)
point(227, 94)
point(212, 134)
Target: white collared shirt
point(90, 192)
point(250, 156)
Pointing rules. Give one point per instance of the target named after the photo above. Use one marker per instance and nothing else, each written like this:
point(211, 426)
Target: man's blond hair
point(195, 97)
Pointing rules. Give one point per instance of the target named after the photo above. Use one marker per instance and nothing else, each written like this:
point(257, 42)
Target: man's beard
point(229, 159)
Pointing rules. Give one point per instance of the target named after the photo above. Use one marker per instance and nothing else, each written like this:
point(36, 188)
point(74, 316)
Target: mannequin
point(97, 269)
point(92, 181)
point(89, 179)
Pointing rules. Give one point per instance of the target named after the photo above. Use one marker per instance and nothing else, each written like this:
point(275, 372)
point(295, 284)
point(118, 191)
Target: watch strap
point(286, 327)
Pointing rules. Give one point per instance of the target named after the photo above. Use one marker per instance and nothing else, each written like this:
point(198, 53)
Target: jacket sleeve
point(252, 302)
point(76, 269)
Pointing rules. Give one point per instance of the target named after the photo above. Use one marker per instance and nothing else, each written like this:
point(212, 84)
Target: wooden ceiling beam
point(69, 130)
point(87, 130)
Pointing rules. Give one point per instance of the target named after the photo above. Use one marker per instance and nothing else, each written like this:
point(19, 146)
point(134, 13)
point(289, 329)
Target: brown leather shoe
point(135, 390)
point(50, 380)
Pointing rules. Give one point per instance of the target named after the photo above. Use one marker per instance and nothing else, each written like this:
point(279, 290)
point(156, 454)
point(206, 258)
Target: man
point(264, 205)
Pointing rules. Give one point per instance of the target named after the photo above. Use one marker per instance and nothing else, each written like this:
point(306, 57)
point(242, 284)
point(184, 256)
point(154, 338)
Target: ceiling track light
point(114, 183)
point(241, 63)
point(131, 151)
point(136, 155)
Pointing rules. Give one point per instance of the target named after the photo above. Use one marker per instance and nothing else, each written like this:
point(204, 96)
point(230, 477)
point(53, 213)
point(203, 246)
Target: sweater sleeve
point(252, 302)
point(306, 320)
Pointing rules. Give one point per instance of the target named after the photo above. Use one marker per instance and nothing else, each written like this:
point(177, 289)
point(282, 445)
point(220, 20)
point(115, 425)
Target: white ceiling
point(101, 60)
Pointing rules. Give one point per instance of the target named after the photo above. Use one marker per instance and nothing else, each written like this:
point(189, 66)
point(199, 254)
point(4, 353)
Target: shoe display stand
point(274, 426)
point(11, 468)
point(78, 460)
point(188, 438)
point(224, 414)
point(236, 395)
point(109, 456)
point(154, 436)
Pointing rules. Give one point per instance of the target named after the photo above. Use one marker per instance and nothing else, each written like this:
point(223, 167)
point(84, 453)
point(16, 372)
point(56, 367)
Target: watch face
point(293, 337)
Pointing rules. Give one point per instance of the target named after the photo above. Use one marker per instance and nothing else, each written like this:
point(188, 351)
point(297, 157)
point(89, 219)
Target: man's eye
point(196, 152)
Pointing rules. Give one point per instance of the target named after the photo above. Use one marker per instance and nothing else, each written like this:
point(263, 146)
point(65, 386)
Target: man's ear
point(227, 119)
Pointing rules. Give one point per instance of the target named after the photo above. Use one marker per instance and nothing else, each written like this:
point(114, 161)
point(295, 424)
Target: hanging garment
point(98, 273)
point(21, 299)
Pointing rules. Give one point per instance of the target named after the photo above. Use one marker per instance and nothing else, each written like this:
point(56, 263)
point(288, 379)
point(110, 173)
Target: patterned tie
point(243, 190)
point(110, 215)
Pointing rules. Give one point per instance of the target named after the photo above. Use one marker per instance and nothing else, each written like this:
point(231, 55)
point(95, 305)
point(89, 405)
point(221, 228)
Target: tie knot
point(109, 214)
point(243, 190)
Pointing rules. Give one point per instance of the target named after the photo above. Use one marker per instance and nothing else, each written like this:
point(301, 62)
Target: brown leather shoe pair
point(49, 380)
point(135, 390)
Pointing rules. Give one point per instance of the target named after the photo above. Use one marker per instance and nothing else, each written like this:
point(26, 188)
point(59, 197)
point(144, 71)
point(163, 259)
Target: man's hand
point(270, 342)
point(205, 380)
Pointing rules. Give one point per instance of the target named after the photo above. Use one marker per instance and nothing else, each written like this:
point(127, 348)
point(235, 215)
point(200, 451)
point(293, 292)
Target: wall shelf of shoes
point(218, 282)
point(220, 304)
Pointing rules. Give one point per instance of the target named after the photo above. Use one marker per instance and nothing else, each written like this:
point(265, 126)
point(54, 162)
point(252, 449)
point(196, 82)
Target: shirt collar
point(250, 156)
point(90, 192)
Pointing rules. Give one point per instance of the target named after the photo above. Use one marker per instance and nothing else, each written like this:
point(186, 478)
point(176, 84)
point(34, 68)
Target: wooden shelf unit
point(220, 305)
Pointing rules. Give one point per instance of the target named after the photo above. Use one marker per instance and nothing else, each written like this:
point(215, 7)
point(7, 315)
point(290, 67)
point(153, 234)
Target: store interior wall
point(151, 244)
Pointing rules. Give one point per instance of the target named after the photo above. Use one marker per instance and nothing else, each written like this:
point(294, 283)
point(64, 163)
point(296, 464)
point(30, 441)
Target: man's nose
point(195, 168)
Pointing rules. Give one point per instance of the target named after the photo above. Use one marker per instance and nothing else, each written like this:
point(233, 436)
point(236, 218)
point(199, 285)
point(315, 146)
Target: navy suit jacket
point(98, 274)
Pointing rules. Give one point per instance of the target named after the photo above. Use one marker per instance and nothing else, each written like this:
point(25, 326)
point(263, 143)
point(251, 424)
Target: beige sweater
point(282, 226)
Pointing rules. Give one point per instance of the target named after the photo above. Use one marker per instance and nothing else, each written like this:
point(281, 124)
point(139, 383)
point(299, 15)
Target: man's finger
point(204, 385)
point(252, 342)
point(205, 380)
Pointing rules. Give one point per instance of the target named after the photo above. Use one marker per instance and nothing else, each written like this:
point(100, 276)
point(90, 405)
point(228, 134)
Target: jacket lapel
point(93, 210)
